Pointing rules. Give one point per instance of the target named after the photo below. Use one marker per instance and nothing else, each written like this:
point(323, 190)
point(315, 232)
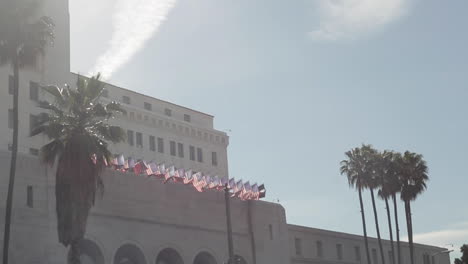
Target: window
point(187, 118)
point(148, 106)
point(199, 155)
point(34, 91)
point(270, 231)
point(34, 152)
point(29, 196)
point(130, 137)
point(374, 256)
point(298, 246)
point(10, 118)
point(339, 251)
point(172, 148)
point(160, 145)
point(426, 259)
point(390, 256)
point(105, 93)
point(11, 84)
point(357, 253)
point(192, 152)
point(214, 159)
point(132, 115)
point(125, 99)
point(152, 143)
point(33, 120)
point(180, 150)
point(319, 249)
point(168, 112)
point(139, 139)
point(433, 259)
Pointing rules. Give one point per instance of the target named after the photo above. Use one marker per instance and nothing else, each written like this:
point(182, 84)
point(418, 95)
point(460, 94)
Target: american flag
point(170, 173)
point(214, 183)
point(237, 189)
point(255, 193)
point(199, 182)
point(104, 159)
point(246, 191)
point(180, 175)
point(188, 177)
point(131, 163)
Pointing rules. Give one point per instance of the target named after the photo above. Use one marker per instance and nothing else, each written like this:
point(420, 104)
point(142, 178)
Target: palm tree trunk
point(14, 152)
point(390, 230)
point(397, 229)
point(410, 230)
point(377, 226)
point(366, 243)
point(74, 254)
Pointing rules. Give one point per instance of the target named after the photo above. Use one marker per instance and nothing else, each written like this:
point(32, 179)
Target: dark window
point(180, 150)
point(34, 152)
point(10, 118)
point(11, 84)
point(33, 119)
point(160, 145)
point(357, 253)
point(172, 148)
point(125, 99)
point(270, 229)
point(152, 143)
point(199, 155)
point(34, 91)
point(29, 196)
point(339, 251)
point(192, 152)
point(319, 249)
point(105, 93)
point(139, 139)
point(168, 112)
point(130, 137)
point(148, 106)
point(214, 159)
point(298, 246)
point(374, 256)
point(187, 118)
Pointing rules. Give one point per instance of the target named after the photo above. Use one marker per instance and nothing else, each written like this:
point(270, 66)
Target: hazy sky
point(299, 82)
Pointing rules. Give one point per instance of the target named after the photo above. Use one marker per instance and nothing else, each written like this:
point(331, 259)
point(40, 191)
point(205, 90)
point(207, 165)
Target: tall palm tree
point(23, 37)
point(77, 125)
point(372, 182)
point(388, 188)
point(413, 178)
point(355, 169)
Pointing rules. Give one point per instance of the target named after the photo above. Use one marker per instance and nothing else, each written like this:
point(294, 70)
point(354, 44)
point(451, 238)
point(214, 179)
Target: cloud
point(134, 23)
point(345, 19)
point(454, 235)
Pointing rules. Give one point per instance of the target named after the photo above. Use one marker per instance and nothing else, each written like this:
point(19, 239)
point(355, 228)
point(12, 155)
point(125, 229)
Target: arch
point(204, 258)
point(129, 254)
point(90, 252)
point(239, 260)
point(169, 256)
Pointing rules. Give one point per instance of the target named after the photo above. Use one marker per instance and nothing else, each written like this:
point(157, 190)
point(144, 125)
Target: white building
point(140, 220)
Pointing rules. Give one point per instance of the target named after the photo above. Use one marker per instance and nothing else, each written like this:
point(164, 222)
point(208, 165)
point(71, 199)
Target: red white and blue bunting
point(199, 181)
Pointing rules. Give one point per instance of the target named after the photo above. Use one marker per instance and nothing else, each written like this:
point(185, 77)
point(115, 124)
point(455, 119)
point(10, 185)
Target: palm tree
point(22, 39)
point(413, 178)
point(464, 258)
point(77, 125)
point(355, 170)
point(388, 188)
point(372, 182)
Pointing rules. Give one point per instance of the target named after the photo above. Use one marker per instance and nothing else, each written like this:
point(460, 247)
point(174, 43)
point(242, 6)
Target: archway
point(169, 256)
point(129, 254)
point(239, 260)
point(204, 258)
point(90, 253)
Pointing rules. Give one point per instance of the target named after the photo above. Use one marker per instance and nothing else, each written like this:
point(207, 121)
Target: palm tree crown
point(77, 124)
point(22, 36)
point(413, 175)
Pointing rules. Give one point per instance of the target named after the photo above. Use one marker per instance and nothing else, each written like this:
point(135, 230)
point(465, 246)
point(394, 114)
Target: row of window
point(33, 88)
point(175, 148)
point(357, 252)
point(149, 106)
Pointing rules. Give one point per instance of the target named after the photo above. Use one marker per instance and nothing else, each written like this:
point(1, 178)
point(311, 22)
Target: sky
point(296, 84)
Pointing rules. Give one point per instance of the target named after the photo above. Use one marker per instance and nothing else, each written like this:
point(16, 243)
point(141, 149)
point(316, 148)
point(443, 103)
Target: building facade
point(140, 220)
